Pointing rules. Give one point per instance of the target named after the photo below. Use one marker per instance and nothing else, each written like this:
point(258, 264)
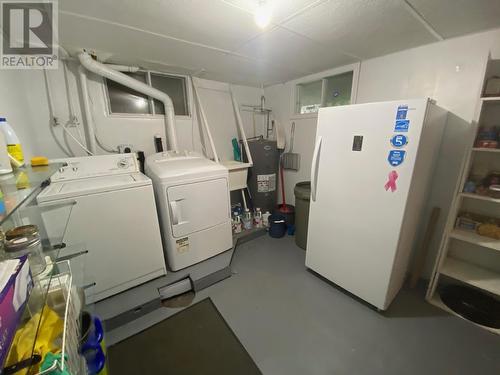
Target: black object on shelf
point(158, 144)
point(472, 304)
point(141, 158)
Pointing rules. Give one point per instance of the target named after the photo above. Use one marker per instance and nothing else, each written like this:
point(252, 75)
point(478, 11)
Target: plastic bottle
point(247, 219)
point(257, 218)
point(236, 223)
point(3, 211)
point(13, 144)
point(265, 219)
point(5, 166)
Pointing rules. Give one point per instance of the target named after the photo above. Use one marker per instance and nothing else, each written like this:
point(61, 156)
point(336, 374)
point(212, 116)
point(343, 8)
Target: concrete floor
point(293, 322)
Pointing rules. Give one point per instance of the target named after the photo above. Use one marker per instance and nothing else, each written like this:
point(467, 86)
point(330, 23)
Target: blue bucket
point(277, 226)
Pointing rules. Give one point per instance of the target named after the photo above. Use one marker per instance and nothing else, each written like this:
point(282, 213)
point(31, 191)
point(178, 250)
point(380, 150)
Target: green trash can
point(302, 200)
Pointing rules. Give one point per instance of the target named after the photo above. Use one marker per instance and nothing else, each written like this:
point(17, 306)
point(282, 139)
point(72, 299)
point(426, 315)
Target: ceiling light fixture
point(263, 14)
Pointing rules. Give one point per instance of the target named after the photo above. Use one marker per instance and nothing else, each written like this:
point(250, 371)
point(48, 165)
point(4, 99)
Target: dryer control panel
point(96, 166)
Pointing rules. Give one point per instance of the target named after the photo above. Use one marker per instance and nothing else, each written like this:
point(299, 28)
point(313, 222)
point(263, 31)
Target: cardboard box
point(15, 287)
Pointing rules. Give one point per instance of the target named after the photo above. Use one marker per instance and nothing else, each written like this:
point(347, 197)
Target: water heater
point(263, 176)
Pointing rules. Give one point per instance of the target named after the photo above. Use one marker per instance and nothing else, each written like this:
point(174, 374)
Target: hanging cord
point(65, 128)
point(96, 134)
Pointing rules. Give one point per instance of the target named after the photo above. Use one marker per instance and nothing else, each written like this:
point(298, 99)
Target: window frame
point(189, 98)
point(322, 76)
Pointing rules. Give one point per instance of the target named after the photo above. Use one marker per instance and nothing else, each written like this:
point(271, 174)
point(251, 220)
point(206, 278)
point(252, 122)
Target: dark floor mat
point(196, 340)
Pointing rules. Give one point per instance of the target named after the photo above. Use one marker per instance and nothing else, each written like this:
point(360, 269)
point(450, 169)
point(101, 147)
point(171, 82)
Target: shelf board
point(490, 98)
point(480, 197)
point(485, 149)
point(471, 274)
point(476, 239)
point(436, 301)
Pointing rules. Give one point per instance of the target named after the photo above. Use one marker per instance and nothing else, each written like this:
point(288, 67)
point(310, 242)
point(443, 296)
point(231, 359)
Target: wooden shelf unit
point(484, 149)
point(475, 239)
point(479, 197)
point(470, 272)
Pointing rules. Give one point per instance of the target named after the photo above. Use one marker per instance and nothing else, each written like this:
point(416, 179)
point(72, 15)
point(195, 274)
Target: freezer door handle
point(314, 168)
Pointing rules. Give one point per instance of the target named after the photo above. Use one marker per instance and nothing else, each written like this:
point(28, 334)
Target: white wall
point(24, 101)
point(449, 72)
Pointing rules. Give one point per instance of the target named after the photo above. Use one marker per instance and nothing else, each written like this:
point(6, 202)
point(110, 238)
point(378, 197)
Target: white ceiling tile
point(281, 9)
point(458, 17)
point(313, 35)
point(122, 45)
point(285, 48)
point(364, 28)
point(209, 22)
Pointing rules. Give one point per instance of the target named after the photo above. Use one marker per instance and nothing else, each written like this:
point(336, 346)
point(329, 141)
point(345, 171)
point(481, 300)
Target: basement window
point(125, 101)
point(326, 92)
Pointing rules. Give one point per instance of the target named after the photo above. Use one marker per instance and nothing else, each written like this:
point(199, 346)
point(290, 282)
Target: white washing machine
point(192, 195)
point(114, 217)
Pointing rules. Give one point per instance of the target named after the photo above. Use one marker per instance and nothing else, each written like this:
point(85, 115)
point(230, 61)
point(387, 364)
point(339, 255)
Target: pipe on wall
point(204, 121)
point(239, 122)
point(91, 141)
point(114, 75)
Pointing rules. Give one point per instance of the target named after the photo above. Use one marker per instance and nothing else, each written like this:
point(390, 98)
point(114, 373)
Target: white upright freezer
point(371, 169)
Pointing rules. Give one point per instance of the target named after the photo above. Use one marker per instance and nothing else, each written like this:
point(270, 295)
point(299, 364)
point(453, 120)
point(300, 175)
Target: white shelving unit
point(465, 256)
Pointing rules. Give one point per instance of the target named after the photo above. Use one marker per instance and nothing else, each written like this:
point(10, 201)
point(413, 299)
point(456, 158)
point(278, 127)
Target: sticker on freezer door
point(391, 182)
point(401, 113)
point(399, 140)
point(402, 125)
point(396, 157)
point(182, 245)
point(266, 183)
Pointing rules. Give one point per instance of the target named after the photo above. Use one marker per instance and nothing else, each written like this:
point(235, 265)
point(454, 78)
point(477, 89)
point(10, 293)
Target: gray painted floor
point(293, 322)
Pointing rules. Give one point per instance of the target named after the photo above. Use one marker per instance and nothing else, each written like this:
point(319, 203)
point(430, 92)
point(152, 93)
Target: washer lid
point(61, 190)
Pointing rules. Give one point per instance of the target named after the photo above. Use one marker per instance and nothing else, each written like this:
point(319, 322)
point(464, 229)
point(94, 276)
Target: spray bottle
point(13, 144)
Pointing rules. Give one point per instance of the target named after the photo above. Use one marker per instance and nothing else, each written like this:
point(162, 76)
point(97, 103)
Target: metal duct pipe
point(109, 73)
point(123, 68)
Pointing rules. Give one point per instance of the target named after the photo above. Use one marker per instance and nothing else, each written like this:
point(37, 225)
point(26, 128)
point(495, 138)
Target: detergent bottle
point(5, 166)
point(13, 144)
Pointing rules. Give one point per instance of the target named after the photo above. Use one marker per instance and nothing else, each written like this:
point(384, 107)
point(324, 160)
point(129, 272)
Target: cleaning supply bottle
point(247, 219)
point(257, 218)
point(265, 219)
point(13, 144)
point(3, 211)
point(5, 166)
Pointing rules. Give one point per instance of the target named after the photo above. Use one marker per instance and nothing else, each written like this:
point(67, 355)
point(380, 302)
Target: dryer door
point(198, 206)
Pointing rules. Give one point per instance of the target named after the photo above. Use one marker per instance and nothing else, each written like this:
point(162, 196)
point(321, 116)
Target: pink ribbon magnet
point(391, 184)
